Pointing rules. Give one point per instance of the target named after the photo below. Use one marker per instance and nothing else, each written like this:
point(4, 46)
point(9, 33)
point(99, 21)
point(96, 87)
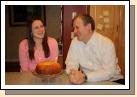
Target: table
point(27, 78)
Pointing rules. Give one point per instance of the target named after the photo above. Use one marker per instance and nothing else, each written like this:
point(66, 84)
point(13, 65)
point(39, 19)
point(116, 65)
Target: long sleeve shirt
point(97, 58)
point(29, 65)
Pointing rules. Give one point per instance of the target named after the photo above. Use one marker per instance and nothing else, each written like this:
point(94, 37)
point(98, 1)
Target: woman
point(37, 47)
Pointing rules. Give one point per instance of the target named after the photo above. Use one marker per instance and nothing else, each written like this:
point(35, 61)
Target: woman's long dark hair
point(31, 43)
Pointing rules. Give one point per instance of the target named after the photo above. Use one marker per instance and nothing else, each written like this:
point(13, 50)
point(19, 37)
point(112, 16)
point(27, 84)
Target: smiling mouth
point(41, 33)
point(77, 34)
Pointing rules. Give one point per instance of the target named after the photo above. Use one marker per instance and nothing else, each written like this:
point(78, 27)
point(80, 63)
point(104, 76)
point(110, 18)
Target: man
point(91, 56)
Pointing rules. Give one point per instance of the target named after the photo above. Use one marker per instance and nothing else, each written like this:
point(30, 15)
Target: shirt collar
point(92, 39)
point(90, 42)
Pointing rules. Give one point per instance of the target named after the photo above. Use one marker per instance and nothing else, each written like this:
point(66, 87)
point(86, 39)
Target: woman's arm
point(23, 56)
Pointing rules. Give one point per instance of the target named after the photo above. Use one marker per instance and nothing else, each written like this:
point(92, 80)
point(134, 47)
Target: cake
point(48, 68)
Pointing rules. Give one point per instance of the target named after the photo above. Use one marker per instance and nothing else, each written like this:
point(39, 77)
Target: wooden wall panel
point(109, 21)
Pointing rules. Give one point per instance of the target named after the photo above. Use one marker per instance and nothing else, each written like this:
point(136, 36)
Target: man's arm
point(108, 63)
point(71, 60)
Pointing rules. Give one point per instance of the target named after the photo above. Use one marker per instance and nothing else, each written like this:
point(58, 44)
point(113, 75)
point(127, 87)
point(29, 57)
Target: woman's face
point(38, 29)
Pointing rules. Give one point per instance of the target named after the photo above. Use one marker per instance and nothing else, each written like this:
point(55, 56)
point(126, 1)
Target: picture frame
point(19, 14)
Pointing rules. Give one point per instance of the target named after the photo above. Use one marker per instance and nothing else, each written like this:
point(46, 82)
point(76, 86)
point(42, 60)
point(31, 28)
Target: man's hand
point(76, 77)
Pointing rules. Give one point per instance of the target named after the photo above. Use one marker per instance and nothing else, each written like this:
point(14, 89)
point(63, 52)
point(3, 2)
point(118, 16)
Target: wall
point(53, 20)
point(14, 34)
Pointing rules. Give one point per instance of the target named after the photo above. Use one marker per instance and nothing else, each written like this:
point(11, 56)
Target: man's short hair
point(86, 20)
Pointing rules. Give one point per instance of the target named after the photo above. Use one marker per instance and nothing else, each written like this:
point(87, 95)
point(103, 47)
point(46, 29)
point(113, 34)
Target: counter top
point(27, 78)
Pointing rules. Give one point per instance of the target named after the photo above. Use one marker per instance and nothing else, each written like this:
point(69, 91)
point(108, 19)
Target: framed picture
point(19, 14)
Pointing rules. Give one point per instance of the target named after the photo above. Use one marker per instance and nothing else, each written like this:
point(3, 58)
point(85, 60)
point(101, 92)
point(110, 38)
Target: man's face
point(80, 29)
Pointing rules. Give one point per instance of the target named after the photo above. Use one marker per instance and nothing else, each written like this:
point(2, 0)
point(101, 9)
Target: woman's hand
point(76, 77)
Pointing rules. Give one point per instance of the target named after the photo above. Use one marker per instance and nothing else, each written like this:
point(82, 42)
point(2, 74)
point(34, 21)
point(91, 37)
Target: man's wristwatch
point(79, 69)
point(85, 77)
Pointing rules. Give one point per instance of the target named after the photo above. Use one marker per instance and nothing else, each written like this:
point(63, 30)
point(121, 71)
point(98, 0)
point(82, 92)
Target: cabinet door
point(68, 10)
point(109, 21)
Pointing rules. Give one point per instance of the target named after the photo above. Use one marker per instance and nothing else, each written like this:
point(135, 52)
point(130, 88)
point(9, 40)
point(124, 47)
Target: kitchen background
point(109, 22)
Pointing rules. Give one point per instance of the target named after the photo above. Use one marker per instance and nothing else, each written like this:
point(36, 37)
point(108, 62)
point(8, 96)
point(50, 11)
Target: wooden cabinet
point(67, 24)
point(110, 22)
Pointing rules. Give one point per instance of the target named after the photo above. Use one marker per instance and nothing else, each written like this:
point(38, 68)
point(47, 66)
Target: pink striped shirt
point(29, 65)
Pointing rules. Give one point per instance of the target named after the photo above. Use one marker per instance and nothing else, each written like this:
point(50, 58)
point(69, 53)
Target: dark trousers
point(121, 81)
